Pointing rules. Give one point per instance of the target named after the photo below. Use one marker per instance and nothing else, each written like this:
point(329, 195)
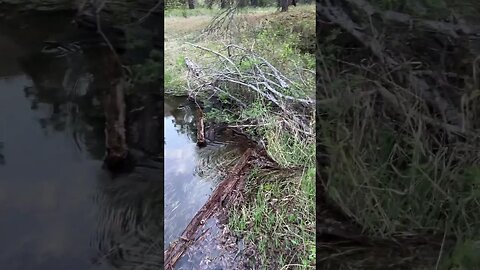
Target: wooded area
point(222, 4)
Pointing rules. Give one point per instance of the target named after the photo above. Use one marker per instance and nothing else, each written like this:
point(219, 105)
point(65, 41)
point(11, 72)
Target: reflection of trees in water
point(69, 91)
point(130, 223)
point(183, 116)
point(145, 127)
point(183, 195)
point(64, 85)
point(211, 160)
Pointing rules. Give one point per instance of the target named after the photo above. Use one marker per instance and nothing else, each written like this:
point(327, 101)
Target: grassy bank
point(277, 216)
point(396, 166)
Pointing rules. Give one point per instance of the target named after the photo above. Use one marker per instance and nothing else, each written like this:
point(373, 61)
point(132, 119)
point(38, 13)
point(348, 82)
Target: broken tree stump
point(116, 142)
point(115, 112)
point(201, 142)
point(222, 194)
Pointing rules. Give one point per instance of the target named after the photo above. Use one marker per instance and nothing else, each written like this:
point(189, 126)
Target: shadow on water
point(60, 208)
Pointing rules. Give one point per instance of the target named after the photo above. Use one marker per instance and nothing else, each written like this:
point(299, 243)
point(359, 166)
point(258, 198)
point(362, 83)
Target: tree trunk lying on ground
point(222, 195)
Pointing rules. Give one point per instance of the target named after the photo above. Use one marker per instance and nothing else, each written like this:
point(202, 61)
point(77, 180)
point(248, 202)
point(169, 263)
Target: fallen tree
point(221, 196)
point(263, 85)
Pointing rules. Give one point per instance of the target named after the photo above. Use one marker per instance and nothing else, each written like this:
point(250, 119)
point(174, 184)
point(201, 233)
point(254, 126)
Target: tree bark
point(191, 4)
point(116, 142)
point(115, 115)
point(242, 3)
point(284, 5)
point(201, 142)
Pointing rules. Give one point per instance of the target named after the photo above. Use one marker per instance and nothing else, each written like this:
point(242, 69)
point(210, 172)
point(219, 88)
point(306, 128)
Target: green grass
point(277, 218)
point(174, 81)
point(392, 181)
point(185, 12)
point(392, 171)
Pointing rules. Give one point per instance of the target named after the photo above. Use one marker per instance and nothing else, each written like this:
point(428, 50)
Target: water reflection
point(47, 212)
point(191, 173)
point(60, 209)
point(67, 89)
point(185, 192)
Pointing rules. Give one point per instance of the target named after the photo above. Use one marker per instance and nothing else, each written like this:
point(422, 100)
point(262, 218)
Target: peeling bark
point(201, 142)
point(115, 115)
point(116, 142)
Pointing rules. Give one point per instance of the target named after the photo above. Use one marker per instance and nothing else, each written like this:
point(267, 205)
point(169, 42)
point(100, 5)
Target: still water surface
point(47, 186)
point(185, 191)
point(60, 209)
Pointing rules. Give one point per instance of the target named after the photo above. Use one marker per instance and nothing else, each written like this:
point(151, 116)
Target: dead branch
point(150, 11)
point(222, 21)
point(101, 33)
point(116, 142)
point(336, 14)
point(253, 81)
point(260, 78)
point(453, 30)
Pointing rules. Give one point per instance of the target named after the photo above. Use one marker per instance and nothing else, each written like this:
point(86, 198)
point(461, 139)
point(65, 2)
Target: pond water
point(46, 188)
point(191, 174)
point(185, 191)
point(60, 208)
